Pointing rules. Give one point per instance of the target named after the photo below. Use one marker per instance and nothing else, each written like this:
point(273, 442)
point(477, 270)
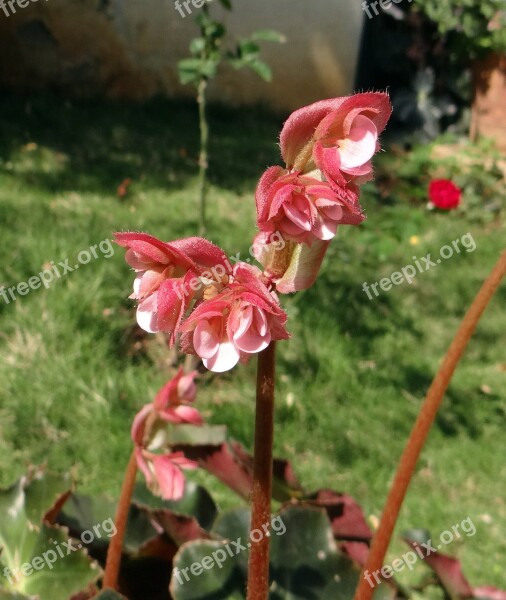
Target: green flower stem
point(261, 493)
point(422, 428)
point(114, 552)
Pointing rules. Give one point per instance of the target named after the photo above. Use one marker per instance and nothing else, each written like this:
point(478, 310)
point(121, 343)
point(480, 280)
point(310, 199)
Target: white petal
point(360, 145)
point(225, 359)
point(146, 314)
point(205, 340)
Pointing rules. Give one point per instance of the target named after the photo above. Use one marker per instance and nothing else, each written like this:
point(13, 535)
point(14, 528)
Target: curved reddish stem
point(422, 427)
point(115, 549)
point(261, 492)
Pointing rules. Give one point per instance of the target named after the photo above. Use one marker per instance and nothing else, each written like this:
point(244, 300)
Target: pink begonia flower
point(337, 136)
point(164, 274)
point(163, 471)
point(327, 147)
point(302, 208)
point(240, 320)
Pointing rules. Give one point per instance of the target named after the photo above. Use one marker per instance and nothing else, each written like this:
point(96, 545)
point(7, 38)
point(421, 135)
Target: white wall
point(132, 47)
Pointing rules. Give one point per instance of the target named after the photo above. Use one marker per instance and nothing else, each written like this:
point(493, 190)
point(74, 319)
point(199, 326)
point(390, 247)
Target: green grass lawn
point(74, 368)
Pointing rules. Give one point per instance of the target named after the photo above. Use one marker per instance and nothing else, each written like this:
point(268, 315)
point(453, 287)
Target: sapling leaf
point(189, 70)
point(261, 69)
point(226, 4)
point(248, 48)
point(268, 35)
point(197, 46)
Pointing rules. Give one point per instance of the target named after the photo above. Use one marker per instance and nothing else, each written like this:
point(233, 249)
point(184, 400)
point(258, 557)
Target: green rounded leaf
point(219, 579)
point(196, 502)
point(36, 555)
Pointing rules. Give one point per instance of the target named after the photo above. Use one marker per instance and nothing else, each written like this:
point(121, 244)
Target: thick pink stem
point(258, 569)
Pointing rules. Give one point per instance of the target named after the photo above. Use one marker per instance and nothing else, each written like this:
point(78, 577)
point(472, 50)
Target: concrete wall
point(129, 48)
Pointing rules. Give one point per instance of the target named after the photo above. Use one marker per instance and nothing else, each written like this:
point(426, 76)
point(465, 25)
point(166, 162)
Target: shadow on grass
point(97, 144)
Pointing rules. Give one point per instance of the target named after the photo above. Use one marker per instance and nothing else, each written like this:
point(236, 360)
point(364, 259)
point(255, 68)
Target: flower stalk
point(258, 568)
point(422, 428)
point(114, 551)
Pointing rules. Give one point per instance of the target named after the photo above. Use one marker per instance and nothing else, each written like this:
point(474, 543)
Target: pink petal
point(325, 229)
point(290, 230)
point(301, 125)
point(261, 324)
point(168, 395)
point(207, 311)
point(225, 358)
point(148, 282)
point(139, 421)
point(263, 191)
point(205, 340)
point(240, 320)
point(146, 248)
point(329, 161)
point(254, 337)
point(137, 285)
point(146, 314)
point(186, 388)
point(374, 105)
point(143, 466)
point(202, 252)
point(332, 210)
point(169, 477)
point(174, 297)
point(360, 145)
point(182, 414)
point(252, 342)
point(134, 260)
point(300, 219)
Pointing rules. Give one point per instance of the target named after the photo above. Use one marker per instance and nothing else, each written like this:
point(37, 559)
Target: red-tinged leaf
point(158, 547)
point(285, 485)
point(232, 465)
point(179, 528)
point(357, 551)
point(347, 518)
point(447, 568)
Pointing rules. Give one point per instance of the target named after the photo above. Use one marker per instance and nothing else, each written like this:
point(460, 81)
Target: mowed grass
point(74, 368)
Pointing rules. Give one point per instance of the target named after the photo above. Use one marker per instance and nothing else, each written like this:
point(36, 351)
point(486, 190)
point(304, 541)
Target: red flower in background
point(444, 194)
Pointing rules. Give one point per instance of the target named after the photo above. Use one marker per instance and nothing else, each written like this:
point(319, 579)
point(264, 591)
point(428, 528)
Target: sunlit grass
point(74, 368)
